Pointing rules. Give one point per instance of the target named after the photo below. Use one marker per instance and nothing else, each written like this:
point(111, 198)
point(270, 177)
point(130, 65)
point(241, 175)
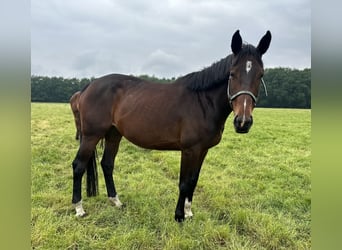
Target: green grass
point(254, 190)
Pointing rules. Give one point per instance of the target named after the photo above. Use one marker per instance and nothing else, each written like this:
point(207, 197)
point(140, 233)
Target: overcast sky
point(85, 38)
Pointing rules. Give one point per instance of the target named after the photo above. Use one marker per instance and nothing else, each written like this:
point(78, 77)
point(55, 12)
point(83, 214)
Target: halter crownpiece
point(263, 84)
point(244, 92)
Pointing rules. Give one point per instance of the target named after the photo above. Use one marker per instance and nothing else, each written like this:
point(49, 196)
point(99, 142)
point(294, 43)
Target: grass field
point(254, 190)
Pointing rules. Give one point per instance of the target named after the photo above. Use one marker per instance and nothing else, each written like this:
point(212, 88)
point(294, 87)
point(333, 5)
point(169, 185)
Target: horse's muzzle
point(243, 124)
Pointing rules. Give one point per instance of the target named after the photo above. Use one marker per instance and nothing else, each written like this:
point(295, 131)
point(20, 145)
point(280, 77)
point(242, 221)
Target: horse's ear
point(264, 42)
point(236, 42)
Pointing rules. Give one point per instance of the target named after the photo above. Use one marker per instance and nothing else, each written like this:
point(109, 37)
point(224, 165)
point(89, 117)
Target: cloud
point(160, 63)
point(165, 38)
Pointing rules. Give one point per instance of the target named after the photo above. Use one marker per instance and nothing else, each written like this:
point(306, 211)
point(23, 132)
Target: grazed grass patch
point(253, 192)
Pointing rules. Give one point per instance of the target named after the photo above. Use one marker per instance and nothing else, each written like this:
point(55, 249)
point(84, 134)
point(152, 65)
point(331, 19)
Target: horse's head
point(246, 74)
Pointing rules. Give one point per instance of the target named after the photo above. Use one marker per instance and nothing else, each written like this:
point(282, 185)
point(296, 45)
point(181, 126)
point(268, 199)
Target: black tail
point(92, 179)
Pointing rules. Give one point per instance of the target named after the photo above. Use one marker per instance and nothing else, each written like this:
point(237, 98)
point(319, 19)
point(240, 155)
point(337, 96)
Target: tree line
point(287, 88)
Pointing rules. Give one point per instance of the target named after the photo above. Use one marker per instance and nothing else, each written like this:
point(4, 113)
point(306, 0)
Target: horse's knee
point(78, 169)
point(107, 168)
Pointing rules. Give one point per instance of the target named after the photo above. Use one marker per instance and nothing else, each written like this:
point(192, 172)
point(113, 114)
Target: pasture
point(254, 190)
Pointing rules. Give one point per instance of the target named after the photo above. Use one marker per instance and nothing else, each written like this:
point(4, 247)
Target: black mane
point(209, 77)
point(218, 72)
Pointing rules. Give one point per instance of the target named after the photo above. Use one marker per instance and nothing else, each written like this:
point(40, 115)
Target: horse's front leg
point(112, 141)
point(79, 166)
point(78, 170)
point(191, 162)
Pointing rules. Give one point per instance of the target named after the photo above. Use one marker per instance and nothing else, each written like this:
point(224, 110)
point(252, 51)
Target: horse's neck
point(220, 108)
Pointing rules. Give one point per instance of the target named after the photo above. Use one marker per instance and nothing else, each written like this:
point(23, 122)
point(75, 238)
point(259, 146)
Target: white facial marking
point(115, 201)
point(79, 209)
point(187, 208)
point(248, 66)
point(244, 112)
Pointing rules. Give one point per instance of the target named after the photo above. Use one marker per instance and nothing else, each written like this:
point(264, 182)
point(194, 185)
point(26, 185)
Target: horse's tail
point(92, 178)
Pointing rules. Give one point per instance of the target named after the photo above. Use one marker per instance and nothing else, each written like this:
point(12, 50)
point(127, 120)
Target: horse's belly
point(151, 136)
point(153, 142)
point(158, 145)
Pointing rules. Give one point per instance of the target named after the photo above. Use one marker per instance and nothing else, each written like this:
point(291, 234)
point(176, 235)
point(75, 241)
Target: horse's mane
point(209, 77)
point(218, 72)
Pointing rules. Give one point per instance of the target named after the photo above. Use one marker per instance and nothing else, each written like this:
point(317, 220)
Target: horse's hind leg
point(79, 165)
point(112, 141)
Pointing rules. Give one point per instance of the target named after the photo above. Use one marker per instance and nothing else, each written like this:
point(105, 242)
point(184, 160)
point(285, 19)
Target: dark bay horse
point(187, 115)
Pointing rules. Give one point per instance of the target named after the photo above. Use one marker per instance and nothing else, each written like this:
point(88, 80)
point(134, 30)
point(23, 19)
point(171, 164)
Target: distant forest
point(287, 88)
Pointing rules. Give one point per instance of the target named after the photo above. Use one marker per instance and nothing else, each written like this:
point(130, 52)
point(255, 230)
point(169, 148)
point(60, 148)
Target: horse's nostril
point(242, 124)
point(237, 120)
point(241, 120)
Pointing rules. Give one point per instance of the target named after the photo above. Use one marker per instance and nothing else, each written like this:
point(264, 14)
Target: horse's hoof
point(81, 215)
point(179, 218)
point(115, 201)
point(79, 209)
point(188, 216)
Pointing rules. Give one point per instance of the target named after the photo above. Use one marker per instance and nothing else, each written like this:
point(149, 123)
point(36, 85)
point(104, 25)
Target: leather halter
point(243, 92)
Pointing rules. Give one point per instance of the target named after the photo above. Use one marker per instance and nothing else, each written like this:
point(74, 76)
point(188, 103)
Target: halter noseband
point(244, 92)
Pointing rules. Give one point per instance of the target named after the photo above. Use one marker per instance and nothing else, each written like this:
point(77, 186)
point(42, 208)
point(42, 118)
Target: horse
point(74, 108)
point(187, 115)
